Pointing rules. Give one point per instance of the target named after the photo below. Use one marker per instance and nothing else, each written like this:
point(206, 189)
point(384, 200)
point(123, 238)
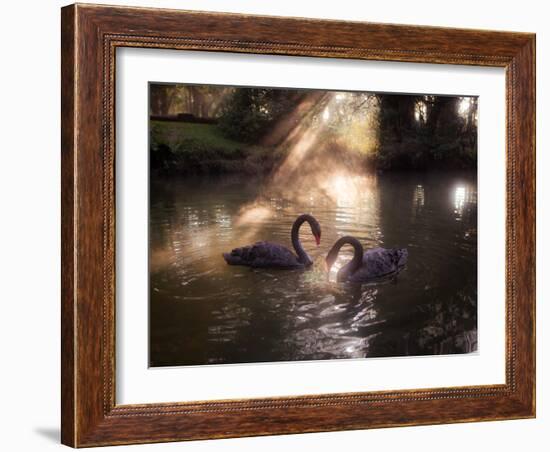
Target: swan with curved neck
point(366, 266)
point(274, 255)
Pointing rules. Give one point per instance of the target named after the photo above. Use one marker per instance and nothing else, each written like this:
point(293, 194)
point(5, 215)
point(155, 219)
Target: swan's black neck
point(352, 266)
point(303, 257)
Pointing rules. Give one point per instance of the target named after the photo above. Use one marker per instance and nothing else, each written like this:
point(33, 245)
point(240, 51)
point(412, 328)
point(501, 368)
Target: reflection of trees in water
point(203, 312)
point(436, 326)
point(440, 317)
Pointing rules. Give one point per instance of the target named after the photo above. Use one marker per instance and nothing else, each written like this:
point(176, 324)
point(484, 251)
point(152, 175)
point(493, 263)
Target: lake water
point(203, 311)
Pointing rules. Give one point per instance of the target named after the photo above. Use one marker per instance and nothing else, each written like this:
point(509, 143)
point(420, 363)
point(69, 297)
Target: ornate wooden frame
point(90, 35)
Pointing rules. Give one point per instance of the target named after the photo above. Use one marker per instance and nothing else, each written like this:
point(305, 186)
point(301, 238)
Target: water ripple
point(203, 311)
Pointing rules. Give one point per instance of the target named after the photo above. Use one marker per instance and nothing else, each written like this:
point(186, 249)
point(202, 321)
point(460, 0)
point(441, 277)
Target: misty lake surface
point(203, 311)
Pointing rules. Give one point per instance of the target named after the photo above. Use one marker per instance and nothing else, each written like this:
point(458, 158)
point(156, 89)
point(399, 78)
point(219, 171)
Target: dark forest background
point(216, 129)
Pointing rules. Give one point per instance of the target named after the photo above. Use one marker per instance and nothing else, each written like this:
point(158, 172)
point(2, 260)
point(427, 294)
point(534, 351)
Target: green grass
point(184, 147)
point(176, 134)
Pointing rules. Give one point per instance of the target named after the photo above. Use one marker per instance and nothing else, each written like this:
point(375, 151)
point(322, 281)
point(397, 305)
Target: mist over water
point(203, 311)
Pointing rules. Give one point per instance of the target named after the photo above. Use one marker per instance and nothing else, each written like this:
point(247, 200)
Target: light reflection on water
point(204, 311)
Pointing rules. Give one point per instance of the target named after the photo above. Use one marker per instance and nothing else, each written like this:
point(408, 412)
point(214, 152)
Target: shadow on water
point(203, 311)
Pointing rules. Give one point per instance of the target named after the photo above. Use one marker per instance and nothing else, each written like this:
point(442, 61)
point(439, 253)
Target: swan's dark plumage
point(263, 255)
point(273, 255)
point(367, 266)
point(380, 262)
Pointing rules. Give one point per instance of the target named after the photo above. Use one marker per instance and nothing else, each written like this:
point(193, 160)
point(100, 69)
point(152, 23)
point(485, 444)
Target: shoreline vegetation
point(213, 130)
point(179, 147)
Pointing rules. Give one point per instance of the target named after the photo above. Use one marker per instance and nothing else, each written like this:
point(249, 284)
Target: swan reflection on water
point(205, 311)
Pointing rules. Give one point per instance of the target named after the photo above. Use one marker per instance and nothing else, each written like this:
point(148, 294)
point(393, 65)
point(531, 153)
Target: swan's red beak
point(318, 239)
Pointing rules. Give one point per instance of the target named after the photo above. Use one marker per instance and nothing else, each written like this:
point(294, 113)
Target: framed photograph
point(281, 225)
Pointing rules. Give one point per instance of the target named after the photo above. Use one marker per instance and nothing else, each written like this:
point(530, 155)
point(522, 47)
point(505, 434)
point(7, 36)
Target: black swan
point(364, 267)
point(273, 255)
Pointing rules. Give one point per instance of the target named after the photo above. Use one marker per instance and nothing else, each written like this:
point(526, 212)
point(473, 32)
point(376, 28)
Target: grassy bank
point(182, 147)
point(178, 147)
